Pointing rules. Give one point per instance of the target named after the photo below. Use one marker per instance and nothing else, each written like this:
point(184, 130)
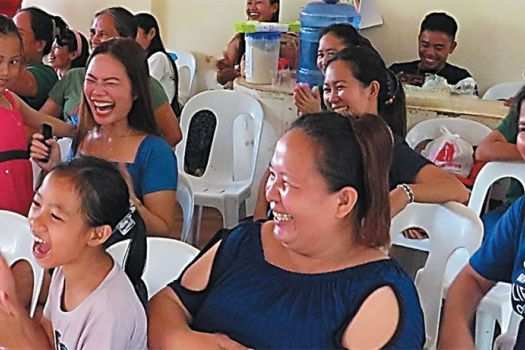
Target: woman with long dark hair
point(161, 65)
point(64, 98)
point(117, 124)
point(358, 82)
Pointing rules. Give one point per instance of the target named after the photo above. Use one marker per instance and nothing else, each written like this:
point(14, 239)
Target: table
point(422, 105)
point(279, 113)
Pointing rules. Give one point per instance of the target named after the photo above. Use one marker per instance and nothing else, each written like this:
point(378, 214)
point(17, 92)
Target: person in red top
point(16, 176)
point(9, 7)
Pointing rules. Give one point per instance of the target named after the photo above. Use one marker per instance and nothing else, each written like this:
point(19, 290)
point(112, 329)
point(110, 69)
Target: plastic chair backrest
point(16, 244)
point(503, 91)
point(186, 201)
point(65, 147)
point(490, 173)
point(166, 258)
point(37, 171)
point(186, 67)
point(451, 227)
point(507, 340)
point(227, 106)
point(470, 130)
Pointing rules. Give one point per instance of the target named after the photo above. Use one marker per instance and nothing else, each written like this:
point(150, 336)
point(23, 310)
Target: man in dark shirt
point(435, 42)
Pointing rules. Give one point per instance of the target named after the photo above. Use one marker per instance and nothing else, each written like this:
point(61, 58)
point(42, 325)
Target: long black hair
point(147, 22)
point(347, 34)
point(8, 27)
point(104, 197)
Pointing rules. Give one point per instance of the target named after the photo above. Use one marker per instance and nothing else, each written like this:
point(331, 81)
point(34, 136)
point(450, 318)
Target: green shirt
point(509, 129)
point(46, 78)
point(67, 93)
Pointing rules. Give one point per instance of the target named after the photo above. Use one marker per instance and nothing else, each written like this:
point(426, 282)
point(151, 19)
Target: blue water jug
point(314, 17)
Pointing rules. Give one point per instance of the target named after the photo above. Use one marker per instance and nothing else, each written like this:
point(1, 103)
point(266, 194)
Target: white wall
point(79, 13)
point(489, 37)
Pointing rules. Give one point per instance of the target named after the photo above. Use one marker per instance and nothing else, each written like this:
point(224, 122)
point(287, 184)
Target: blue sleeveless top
point(263, 306)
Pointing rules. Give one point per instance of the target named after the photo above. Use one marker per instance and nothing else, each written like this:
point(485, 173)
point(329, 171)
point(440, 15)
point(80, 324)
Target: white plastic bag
point(451, 153)
point(467, 86)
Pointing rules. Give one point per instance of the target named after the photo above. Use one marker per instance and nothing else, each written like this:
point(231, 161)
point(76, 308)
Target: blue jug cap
point(324, 9)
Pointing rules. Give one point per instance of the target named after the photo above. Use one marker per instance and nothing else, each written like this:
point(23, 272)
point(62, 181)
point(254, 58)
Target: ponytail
point(132, 227)
point(376, 143)
point(393, 109)
point(355, 152)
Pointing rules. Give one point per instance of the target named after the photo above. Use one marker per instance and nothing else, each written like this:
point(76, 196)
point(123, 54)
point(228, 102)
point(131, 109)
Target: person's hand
point(289, 48)
point(226, 72)
point(398, 202)
point(39, 150)
point(307, 100)
point(509, 101)
point(12, 314)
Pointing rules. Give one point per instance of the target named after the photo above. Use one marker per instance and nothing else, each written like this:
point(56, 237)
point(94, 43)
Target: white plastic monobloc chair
point(465, 237)
point(166, 259)
point(16, 244)
point(186, 67)
point(496, 305)
point(503, 91)
point(470, 130)
point(507, 340)
point(187, 203)
point(64, 144)
point(218, 187)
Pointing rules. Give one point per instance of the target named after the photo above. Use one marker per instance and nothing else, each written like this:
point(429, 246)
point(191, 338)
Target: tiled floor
point(211, 223)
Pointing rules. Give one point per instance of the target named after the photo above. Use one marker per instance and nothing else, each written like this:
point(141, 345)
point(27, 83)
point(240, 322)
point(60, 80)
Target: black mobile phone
point(47, 132)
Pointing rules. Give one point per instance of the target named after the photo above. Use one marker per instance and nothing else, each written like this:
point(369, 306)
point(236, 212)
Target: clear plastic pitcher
point(262, 57)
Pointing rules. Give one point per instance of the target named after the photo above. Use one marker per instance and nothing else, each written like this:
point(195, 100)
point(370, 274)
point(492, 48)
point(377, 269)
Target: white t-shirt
point(111, 317)
point(161, 69)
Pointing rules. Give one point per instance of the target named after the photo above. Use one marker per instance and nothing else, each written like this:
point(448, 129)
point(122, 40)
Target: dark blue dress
point(263, 306)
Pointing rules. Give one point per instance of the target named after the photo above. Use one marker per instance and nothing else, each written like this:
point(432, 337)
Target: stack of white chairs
point(503, 91)
point(469, 130)
point(449, 250)
point(186, 67)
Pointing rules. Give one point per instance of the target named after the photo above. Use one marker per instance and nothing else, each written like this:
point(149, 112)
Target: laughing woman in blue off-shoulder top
point(310, 278)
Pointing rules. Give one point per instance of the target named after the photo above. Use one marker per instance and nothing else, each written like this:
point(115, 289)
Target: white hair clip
point(126, 224)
